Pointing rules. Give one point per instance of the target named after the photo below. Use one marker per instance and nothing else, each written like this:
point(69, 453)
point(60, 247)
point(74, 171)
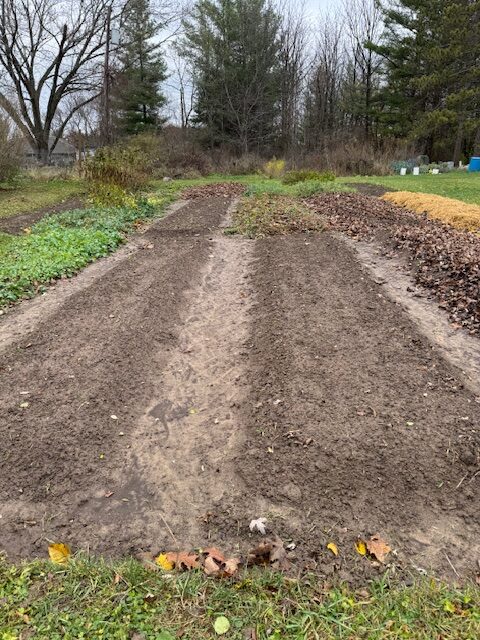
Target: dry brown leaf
point(230, 566)
point(183, 560)
point(210, 567)
point(270, 552)
point(278, 556)
point(378, 548)
point(214, 553)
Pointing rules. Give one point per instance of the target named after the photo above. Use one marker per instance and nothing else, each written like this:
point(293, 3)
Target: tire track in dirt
point(186, 443)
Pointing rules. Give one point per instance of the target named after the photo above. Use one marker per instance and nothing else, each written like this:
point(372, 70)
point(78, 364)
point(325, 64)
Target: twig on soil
point(474, 476)
point(170, 531)
point(461, 481)
point(450, 563)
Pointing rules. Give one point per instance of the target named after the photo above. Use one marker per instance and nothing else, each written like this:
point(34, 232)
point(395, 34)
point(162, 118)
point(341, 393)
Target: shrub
point(124, 167)
point(302, 175)
point(10, 151)
point(110, 195)
point(274, 168)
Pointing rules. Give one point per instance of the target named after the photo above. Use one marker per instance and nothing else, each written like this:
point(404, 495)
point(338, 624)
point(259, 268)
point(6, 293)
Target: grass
point(459, 185)
point(94, 599)
point(29, 194)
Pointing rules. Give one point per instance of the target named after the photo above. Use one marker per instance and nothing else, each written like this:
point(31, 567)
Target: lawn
point(94, 599)
point(458, 184)
point(29, 194)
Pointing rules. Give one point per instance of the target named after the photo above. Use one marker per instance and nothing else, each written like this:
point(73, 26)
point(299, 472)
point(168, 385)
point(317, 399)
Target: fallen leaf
point(221, 625)
point(378, 548)
point(164, 563)
point(210, 567)
point(258, 525)
point(361, 547)
point(184, 560)
point(230, 566)
point(214, 553)
point(331, 546)
point(59, 553)
point(250, 634)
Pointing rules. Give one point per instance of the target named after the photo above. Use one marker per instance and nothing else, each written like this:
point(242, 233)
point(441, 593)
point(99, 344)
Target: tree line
point(248, 75)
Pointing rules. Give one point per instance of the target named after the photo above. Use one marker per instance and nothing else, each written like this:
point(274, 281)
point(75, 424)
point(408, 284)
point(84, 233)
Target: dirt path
point(272, 378)
point(17, 223)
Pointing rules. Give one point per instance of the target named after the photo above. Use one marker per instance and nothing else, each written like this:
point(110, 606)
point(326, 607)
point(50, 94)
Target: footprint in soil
point(165, 412)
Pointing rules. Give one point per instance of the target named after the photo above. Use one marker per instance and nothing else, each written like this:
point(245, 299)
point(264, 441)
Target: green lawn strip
point(459, 185)
point(29, 195)
point(95, 599)
point(62, 244)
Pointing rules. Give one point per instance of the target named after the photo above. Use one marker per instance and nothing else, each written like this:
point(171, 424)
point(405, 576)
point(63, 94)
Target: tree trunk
point(457, 151)
point(43, 152)
point(476, 143)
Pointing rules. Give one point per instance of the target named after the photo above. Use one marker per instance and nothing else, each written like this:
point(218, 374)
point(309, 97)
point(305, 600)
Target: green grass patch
point(62, 244)
point(460, 185)
point(29, 195)
point(268, 214)
point(94, 599)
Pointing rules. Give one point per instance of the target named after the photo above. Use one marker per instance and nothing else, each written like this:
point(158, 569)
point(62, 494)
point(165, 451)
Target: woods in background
point(367, 80)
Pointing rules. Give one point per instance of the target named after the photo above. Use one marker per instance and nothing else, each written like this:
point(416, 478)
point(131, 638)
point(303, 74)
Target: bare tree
point(364, 22)
point(293, 57)
point(50, 51)
point(323, 113)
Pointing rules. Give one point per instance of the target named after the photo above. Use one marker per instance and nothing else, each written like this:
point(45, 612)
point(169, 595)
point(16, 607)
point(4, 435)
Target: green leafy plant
point(60, 245)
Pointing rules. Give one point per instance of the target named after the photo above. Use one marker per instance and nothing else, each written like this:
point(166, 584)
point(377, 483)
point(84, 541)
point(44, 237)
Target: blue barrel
point(474, 164)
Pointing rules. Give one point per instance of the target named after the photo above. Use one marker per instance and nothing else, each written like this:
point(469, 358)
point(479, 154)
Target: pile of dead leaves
point(443, 259)
point(217, 190)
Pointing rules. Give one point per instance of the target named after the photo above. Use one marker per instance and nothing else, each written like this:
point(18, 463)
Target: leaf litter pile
point(444, 260)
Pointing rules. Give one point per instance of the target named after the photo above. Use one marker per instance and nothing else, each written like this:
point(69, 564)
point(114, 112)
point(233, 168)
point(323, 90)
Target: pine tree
point(431, 52)
point(142, 70)
point(234, 50)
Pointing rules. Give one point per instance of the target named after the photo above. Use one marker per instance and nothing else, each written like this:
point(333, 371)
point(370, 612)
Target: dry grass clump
point(267, 215)
point(454, 212)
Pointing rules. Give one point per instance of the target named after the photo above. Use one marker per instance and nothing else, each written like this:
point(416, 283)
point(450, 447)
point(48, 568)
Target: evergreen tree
point(142, 70)
point(234, 49)
point(431, 52)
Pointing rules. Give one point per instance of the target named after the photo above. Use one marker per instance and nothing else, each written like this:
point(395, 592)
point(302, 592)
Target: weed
point(266, 215)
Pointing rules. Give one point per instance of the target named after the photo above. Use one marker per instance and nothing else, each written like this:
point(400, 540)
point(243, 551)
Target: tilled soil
point(208, 380)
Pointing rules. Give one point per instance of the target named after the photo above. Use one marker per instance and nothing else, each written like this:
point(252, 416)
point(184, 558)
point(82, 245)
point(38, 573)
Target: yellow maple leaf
point(331, 546)
point(361, 547)
point(164, 562)
point(59, 553)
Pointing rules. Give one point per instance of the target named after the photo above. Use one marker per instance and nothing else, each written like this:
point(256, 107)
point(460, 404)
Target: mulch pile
point(225, 189)
point(443, 259)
